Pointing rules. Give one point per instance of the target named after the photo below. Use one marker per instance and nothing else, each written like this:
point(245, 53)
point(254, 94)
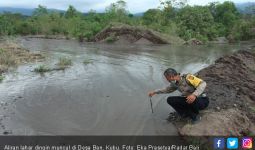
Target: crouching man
point(192, 98)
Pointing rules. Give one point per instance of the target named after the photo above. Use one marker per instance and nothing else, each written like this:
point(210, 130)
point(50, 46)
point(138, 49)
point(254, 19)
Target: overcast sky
point(134, 6)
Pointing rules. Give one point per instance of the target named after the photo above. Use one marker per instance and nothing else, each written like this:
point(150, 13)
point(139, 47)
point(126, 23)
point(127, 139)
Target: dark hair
point(171, 72)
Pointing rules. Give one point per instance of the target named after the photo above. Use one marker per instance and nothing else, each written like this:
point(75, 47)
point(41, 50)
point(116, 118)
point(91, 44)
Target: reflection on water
point(105, 97)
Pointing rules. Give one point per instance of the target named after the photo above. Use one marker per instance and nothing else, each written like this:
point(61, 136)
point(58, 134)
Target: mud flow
point(104, 92)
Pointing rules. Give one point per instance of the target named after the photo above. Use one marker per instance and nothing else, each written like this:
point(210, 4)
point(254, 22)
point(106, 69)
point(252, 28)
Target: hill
point(242, 7)
point(25, 11)
point(245, 8)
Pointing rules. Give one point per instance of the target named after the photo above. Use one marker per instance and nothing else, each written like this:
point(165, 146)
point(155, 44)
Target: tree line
point(173, 17)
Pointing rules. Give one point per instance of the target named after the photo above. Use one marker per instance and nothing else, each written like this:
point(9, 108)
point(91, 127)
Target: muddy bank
point(129, 34)
point(231, 89)
point(56, 37)
point(12, 54)
point(231, 80)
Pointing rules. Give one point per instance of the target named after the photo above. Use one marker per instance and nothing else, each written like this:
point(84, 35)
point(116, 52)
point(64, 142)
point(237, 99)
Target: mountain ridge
point(29, 11)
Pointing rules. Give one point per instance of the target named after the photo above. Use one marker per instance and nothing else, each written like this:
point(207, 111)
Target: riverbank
point(231, 89)
point(12, 54)
point(122, 34)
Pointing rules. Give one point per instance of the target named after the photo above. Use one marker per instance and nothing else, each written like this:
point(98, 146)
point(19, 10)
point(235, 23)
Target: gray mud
point(105, 96)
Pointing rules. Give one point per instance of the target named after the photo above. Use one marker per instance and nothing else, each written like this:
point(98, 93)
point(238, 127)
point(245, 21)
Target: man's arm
point(200, 88)
point(168, 89)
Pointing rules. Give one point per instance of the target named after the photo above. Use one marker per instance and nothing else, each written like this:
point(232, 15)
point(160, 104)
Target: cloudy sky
point(134, 6)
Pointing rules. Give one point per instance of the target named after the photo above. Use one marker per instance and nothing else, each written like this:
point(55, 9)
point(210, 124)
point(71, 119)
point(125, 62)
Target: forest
point(175, 18)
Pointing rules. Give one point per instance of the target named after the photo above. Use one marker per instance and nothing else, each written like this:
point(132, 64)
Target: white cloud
point(81, 5)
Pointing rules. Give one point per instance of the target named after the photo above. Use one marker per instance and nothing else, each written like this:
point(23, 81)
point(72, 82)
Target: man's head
point(171, 74)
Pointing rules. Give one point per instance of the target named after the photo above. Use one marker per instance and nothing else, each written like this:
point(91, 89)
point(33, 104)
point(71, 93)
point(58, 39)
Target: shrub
point(87, 61)
point(42, 68)
point(1, 78)
point(64, 62)
point(7, 58)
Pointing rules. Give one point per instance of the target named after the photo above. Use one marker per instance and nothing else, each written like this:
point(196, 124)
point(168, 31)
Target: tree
point(250, 9)
point(71, 12)
point(152, 16)
point(242, 30)
point(7, 27)
point(196, 22)
point(169, 9)
point(41, 10)
point(173, 3)
point(227, 14)
point(117, 11)
point(118, 7)
point(212, 8)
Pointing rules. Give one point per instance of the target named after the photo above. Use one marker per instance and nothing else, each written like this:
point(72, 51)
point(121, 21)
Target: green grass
point(1, 78)
point(41, 69)
point(64, 62)
point(87, 61)
point(110, 39)
point(2, 51)
point(7, 58)
point(252, 108)
point(253, 71)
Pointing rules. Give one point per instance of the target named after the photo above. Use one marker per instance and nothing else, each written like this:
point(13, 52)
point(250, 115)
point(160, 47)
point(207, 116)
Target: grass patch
point(253, 71)
point(87, 61)
point(41, 69)
point(7, 58)
point(252, 108)
point(64, 62)
point(2, 50)
point(1, 78)
point(110, 39)
point(12, 54)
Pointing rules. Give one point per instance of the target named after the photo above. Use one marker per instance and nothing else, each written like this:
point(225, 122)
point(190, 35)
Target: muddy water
point(107, 96)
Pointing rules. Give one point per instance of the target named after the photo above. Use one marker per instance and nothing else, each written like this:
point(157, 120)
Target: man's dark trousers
point(185, 109)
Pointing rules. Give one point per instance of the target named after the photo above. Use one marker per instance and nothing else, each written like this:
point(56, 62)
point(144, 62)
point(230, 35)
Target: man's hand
point(151, 93)
point(191, 98)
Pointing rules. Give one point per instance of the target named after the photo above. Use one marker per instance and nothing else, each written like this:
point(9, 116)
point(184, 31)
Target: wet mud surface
point(107, 95)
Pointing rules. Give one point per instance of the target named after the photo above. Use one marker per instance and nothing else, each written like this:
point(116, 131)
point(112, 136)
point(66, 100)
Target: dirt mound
point(230, 84)
point(128, 34)
point(223, 123)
